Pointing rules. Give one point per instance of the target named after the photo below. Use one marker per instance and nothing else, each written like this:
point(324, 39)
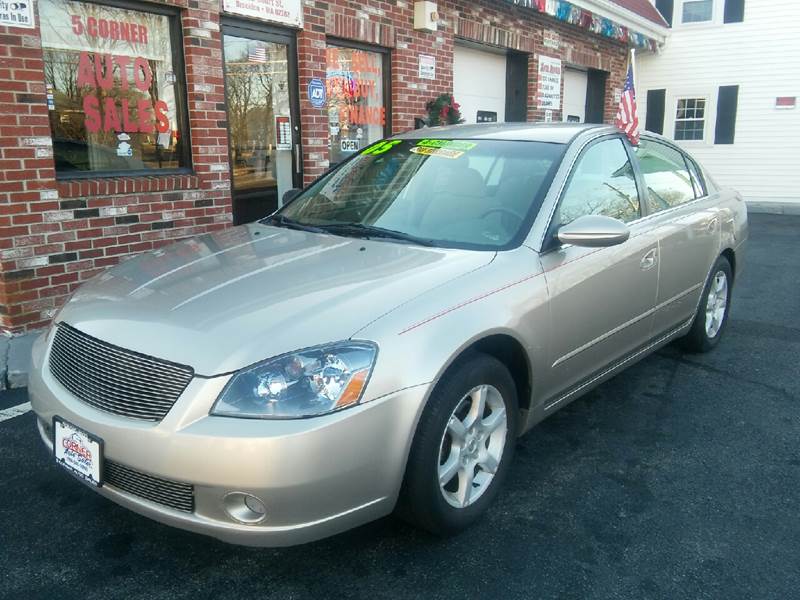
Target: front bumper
point(316, 477)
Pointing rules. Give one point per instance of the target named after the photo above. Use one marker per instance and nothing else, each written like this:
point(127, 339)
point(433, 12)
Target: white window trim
point(707, 117)
point(716, 15)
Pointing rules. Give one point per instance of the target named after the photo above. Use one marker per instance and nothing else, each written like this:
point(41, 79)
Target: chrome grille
point(113, 379)
point(173, 494)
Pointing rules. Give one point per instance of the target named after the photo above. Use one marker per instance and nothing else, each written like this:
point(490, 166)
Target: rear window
point(666, 175)
point(479, 194)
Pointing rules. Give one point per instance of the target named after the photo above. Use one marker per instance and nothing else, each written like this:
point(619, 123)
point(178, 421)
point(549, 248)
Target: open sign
point(350, 145)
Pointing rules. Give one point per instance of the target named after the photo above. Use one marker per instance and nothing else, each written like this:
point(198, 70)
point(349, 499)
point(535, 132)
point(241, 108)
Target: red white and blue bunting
point(574, 15)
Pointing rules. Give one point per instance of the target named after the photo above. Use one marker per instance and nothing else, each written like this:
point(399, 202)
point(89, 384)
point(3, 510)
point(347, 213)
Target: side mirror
point(290, 195)
point(594, 231)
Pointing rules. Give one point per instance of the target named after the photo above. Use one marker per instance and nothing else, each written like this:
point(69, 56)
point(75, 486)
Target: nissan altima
point(378, 343)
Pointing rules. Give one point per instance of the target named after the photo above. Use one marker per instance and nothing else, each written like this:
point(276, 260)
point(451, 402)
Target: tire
point(707, 329)
point(438, 442)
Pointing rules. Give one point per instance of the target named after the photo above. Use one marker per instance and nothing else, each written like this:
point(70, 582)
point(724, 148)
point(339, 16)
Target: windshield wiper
point(372, 231)
point(284, 221)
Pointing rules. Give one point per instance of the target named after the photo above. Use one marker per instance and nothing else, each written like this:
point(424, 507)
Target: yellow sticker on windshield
point(443, 152)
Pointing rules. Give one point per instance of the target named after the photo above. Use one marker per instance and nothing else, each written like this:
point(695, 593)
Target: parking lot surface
point(679, 478)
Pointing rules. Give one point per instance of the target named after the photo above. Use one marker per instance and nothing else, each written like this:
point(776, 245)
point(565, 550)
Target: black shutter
point(734, 11)
point(727, 101)
point(665, 8)
point(655, 111)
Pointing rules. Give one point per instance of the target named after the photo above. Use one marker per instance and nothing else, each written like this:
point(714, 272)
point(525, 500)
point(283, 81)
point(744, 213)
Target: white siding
point(761, 56)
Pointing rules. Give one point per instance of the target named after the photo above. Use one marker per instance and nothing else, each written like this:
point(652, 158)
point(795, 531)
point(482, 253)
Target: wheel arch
point(508, 350)
point(730, 256)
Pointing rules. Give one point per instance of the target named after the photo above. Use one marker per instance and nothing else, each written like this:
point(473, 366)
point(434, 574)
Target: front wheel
point(712, 312)
point(462, 448)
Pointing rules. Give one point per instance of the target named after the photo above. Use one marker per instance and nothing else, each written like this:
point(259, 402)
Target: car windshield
point(478, 194)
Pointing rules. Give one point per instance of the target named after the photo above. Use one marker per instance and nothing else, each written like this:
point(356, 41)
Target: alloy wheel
point(472, 446)
point(716, 304)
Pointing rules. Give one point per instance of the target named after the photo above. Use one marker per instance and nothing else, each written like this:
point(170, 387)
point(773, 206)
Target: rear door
point(601, 299)
point(686, 221)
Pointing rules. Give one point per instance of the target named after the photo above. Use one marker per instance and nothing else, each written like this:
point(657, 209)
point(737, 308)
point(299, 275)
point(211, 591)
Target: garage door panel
point(479, 82)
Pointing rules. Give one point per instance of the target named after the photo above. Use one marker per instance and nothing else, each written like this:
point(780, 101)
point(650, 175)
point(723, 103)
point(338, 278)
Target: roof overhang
point(606, 18)
point(626, 17)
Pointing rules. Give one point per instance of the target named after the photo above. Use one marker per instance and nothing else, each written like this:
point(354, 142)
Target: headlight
point(305, 383)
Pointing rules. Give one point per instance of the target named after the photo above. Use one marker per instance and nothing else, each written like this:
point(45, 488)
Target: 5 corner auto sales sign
point(116, 60)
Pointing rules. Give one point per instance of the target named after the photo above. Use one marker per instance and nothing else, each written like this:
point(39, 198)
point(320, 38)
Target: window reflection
point(256, 84)
point(111, 88)
point(603, 183)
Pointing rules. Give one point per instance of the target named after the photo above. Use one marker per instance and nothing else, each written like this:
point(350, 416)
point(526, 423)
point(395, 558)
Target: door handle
point(649, 260)
point(297, 158)
point(712, 225)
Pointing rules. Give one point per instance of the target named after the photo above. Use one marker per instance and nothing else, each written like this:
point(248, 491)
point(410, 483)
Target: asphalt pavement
point(679, 478)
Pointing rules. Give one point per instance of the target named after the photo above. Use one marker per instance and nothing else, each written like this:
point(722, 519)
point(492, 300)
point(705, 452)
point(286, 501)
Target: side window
point(697, 178)
point(665, 174)
point(602, 183)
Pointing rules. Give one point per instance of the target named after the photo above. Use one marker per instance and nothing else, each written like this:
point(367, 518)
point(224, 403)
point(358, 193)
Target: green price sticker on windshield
point(381, 147)
point(457, 145)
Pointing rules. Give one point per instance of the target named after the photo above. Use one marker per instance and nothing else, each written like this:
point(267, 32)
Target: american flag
point(257, 54)
point(627, 119)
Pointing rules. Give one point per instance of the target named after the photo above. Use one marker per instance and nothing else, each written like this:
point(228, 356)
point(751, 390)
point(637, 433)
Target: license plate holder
point(78, 451)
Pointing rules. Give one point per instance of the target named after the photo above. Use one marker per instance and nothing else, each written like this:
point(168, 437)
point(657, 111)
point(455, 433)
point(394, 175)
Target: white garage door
point(575, 84)
point(479, 83)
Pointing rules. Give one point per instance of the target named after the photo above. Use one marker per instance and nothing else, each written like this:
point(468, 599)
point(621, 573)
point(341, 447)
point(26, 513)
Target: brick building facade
point(59, 228)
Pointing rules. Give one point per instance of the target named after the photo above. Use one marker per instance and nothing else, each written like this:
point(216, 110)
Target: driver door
point(601, 299)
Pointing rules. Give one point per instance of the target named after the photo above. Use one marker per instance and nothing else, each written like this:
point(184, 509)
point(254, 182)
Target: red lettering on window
point(91, 109)
point(142, 68)
point(86, 71)
point(105, 77)
point(110, 116)
point(161, 117)
point(144, 112)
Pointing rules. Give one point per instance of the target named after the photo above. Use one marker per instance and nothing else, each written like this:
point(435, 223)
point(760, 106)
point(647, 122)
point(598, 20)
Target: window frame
point(711, 21)
point(688, 160)
point(675, 119)
point(386, 81)
point(696, 174)
point(173, 15)
point(551, 241)
point(265, 32)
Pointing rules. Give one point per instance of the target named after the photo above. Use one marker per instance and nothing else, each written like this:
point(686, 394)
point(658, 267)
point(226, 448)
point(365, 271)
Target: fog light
point(245, 508)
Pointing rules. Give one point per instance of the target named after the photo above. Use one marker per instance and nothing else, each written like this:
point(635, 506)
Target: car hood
point(225, 300)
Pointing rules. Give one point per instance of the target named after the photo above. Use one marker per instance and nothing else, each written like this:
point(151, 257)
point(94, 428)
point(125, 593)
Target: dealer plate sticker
point(77, 451)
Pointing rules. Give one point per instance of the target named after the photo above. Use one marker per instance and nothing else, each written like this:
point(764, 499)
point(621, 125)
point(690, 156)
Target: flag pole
point(633, 68)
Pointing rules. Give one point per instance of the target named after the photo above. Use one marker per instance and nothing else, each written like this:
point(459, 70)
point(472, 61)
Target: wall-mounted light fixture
point(426, 16)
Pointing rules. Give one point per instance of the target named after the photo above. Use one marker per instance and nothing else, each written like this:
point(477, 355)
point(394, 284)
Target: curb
point(773, 208)
point(15, 359)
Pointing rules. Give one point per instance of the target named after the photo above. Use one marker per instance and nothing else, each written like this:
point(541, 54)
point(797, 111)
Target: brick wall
point(56, 234)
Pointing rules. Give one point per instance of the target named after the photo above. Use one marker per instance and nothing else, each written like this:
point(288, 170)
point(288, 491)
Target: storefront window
point(112, 88)
point(356, 109)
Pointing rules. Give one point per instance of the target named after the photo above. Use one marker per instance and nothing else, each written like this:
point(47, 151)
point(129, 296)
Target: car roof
point(558, 133)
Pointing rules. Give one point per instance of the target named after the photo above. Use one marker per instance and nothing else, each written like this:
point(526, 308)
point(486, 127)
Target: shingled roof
point(643, 8)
